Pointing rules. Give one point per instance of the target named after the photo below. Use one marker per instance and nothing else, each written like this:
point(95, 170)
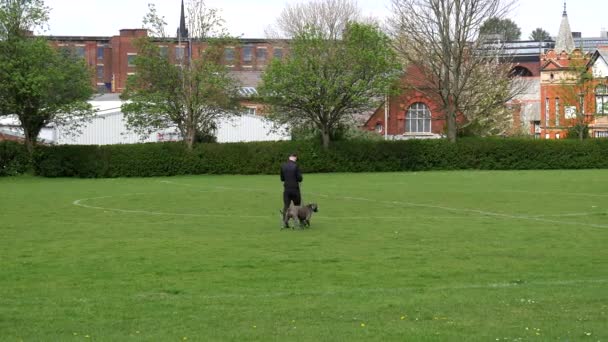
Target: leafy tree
point(325, 81)
point(192, 95)
point(17, 17)
point(540, 35)
point(504, 27)
point(38, 84)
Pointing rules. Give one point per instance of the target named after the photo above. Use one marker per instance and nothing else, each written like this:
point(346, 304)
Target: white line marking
point(399, 290)
point(80, 203)
point(391, 203)
point(474, 211)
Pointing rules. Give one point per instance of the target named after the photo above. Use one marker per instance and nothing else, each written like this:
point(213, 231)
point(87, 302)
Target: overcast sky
point(249, 18)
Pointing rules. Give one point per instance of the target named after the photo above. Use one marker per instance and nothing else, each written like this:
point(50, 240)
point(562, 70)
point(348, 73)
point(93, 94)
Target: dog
point(300, 213)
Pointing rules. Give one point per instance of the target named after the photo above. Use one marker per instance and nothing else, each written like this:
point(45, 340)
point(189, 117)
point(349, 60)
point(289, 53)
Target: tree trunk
point(451, 123)
point(581, 133)
point(30, 140)
point(190, 137)
point(326, 139)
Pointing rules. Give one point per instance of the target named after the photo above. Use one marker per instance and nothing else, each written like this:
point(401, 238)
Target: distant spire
point(182, 31)
point(564, 41)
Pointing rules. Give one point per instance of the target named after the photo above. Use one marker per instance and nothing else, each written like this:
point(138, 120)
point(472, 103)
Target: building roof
point(564, 41)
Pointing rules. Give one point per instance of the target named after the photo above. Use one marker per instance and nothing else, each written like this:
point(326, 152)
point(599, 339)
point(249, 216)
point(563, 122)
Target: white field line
point(390, 203)
point(572, 214)
point(399, 290)
point(419, 205)
point(80, 203)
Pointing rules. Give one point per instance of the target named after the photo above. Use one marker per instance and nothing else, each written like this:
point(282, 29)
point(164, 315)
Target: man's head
point(293, 157)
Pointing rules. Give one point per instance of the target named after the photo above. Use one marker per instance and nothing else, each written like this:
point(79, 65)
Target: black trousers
point(291, 195)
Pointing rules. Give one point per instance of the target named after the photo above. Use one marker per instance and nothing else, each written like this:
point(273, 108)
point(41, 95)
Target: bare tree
point(154, 23)
point(328, 17)
point(204, 21)
point(440, 39)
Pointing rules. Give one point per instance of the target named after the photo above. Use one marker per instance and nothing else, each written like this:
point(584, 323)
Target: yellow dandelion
point(185, 338)
point(254, 327)
point(402, 318)
point(363, 324)
point(87, 336)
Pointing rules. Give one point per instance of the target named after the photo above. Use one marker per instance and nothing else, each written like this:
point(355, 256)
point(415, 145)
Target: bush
point(168, 159)
point(14, 158)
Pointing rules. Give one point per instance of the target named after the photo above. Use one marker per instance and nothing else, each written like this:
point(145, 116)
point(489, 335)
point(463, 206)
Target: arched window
point(520, 71)
point(418, 119)
point(601, 99)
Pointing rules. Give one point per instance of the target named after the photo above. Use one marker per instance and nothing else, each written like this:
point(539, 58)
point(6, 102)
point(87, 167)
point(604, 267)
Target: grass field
point(438, 256)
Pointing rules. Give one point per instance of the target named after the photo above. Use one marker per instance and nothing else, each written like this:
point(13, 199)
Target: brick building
point(112, 58)
point(544, 68)
point(568, 96)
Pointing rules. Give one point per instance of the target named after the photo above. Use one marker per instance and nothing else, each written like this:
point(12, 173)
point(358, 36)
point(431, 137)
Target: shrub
point(14, 158)
point(168, 159)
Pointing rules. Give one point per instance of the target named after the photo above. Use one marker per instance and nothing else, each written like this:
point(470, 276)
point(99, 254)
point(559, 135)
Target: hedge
point(14, 158)
point(168, 159)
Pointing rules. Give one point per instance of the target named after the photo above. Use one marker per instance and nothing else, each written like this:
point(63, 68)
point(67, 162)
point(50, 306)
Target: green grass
point(440, 256)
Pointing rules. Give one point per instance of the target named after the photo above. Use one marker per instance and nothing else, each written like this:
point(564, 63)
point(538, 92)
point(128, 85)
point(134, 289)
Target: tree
point(17, 17)
point(154, 23)
point(457, 68)
point(192, 95)
point(540, 35)
point(328, 17)
point(507, 29)
point(38, 84)
point(325, 81)
point(576, 85)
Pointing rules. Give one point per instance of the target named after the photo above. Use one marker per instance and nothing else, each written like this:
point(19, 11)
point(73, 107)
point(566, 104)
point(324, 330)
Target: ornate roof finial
point(565, 12)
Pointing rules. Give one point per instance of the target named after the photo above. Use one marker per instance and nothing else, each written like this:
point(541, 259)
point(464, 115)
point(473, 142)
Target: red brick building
point(112, 57)
point(546, 108)
point(568, 96)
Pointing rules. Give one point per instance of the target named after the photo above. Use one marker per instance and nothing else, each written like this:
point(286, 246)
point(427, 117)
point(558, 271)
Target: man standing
point(291, 178)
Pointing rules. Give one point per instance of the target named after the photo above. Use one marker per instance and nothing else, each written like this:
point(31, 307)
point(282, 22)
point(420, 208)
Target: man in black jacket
point(291, 178)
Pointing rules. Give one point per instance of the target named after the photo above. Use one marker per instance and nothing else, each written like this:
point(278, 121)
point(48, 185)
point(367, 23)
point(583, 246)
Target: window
point(180, 52)
point(250, 110)
point(247, 54)
point(100, 72)
point(80, 51)
point(556, 135)
point(260, 54)
point(601, 134)
point(556, 111)
point(547, 112)
point(379, 128)
point(131, 59)
point(100, 52)
point(229, 55)
point(164, 51)
point(278, 53)
point(601, 99)
point(418, 119)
